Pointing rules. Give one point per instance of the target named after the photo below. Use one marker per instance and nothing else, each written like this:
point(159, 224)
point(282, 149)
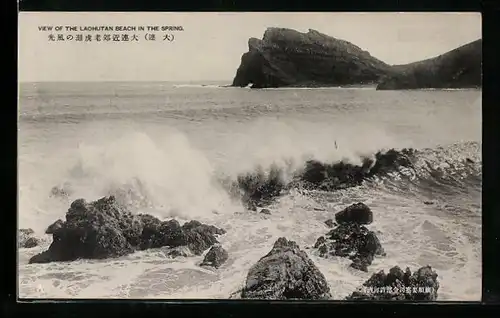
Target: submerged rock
point(265, 211)
point(286, 272)
point(215, 257)
point(26, 239)
point(104, 229)
point(353, 241)
point(399, 285)
point(358, 213)
point(180, 251)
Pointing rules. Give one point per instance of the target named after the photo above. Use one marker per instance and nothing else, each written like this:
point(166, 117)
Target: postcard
point(250, 155)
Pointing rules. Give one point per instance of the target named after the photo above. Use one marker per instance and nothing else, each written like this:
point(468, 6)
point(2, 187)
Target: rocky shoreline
point(105, 229)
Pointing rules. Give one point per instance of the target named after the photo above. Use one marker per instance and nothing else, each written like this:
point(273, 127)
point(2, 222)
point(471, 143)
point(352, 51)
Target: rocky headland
point(285, 57)
point(288, 58)
point(458, 68)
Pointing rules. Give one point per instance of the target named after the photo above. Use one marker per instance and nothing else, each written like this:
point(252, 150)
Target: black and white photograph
point(250, 155)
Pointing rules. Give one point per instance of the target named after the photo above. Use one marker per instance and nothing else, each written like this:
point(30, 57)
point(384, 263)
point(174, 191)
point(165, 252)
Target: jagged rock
point(215, 257)
point(286, 272)
point(92, 230)
point(458, 68)
point(358, 213)
point(104, 229)
point(353, 241)
point(285, 57)
point(54, 227)
point(265, 211)
point(26, 239)
point(341, 175)
point(156, 233)
point(330, 223)
point(399, 285)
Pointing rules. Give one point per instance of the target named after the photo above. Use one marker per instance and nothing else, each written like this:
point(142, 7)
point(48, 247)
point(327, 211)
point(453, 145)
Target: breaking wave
point(181, 182)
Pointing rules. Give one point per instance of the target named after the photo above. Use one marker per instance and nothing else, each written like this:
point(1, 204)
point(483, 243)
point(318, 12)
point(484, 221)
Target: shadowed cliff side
point(286, 57)
point(458, 68)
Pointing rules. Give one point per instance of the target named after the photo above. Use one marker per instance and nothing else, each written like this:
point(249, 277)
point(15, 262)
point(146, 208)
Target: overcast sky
point(211, 45)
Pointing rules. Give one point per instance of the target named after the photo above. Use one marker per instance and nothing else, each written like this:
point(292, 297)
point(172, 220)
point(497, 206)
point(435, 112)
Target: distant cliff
point(286, 57)
point(458, 68)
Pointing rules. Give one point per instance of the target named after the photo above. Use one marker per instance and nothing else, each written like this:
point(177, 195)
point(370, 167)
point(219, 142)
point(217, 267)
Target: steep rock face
point(286, 57)
point(286, 272)
point(458, 68)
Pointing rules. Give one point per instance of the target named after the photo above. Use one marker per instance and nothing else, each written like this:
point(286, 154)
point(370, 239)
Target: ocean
point(166, 146)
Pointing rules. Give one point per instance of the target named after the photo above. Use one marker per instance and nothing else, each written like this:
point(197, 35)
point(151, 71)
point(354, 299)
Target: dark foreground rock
point(54, 227)
point(285, 57)
point(358, 213)
point(458, 68)
point(286, 272)
point(265, 211)
point(399, 285)
point(352, 240)
point(341, 175)
point(105, 229)
point(215, 257)
point(27, 239)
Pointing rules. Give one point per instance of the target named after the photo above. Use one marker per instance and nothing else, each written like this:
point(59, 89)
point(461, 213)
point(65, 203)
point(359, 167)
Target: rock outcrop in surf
point(341, 175)
point(399, 285)
point(27, 239)
point(458, 68)
point(286, 272)
point(215, 257)
point(106, 229)
point(259, 189)
point(286, 57)
point(351, 239)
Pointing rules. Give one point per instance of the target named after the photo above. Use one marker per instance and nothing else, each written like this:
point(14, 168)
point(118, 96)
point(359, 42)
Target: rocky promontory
point(289, 58)
point(458, 68)
point(286, 57)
